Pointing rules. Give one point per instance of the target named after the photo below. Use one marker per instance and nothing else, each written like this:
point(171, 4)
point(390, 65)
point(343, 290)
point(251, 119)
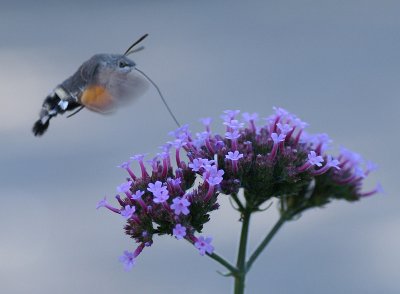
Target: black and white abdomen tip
point(52, 106)
point(41, 126)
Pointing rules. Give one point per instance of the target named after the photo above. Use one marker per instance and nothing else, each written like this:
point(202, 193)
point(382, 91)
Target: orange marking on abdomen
point(97, 98)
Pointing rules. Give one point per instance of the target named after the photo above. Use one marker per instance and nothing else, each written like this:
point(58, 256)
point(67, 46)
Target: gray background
point(333, 63)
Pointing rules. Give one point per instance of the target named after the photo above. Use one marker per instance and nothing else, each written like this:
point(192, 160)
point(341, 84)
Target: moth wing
point(127, 88)
point(116, 90)
point(88, 69)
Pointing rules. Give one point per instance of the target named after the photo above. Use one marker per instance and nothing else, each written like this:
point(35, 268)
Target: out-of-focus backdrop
point(333, 63)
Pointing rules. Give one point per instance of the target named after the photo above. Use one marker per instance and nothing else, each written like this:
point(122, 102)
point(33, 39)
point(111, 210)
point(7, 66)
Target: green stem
point(265, 242)
point(238, 202)
point(240, 277)
point(223, 262)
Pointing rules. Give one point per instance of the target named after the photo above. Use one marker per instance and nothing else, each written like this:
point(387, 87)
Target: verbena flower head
point(159, 202)
point(276, 159)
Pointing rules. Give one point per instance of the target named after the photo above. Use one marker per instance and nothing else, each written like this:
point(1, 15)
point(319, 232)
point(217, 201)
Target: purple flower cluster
point(276, 159)
point(159, 202)
point(279, 159)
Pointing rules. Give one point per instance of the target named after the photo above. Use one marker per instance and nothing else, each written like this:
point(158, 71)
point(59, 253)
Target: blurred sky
point(333, 63)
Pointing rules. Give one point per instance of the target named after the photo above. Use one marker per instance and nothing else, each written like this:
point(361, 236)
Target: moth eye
point(122, 64)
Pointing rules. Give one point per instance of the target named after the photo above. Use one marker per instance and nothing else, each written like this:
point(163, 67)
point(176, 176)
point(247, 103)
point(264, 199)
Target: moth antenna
point(76, 111)
point(161, 95)
point(134, 44)
point(136, 50)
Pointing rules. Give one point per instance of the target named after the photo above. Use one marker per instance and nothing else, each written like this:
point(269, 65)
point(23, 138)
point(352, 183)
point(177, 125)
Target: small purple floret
point(137, 195)
point(180, 205)
point(124, 187)
point(179, 232)
point(234, 156)
point(128, 259)
point(128, 211)
point(204, 245)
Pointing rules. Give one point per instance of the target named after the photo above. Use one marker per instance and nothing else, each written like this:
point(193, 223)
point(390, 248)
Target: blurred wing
point(127, 87)
point(118, 90)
